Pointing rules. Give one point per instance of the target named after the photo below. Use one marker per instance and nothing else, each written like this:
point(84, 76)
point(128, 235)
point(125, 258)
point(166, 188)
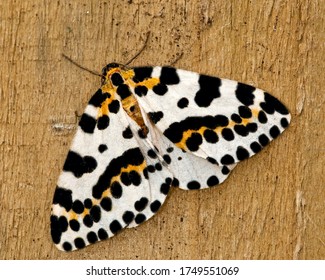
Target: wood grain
point(271, 207)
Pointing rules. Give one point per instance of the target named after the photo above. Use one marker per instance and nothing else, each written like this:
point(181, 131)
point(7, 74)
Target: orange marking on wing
point(188, 133)
point(129, 168)
point(107, 193)
point(255, 112)
point(148, 83)
point(127, 74)
point(74, 216)
point(104, 108)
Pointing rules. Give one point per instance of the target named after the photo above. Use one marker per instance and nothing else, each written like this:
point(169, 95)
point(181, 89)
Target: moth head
point(107, 70)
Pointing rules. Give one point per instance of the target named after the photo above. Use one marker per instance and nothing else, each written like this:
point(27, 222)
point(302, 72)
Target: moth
point(147, 129)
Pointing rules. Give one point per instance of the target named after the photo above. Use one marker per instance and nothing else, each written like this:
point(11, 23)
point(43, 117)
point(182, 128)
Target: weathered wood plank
point(271, 207)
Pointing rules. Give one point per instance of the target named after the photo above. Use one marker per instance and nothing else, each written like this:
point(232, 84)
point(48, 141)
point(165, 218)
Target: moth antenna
point(82, 67)
point(140, 51)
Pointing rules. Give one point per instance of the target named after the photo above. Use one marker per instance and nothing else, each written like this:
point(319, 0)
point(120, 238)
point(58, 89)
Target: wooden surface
point(272, 205)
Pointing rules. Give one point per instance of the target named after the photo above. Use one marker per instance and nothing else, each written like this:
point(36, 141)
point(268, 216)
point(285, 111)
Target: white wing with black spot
point(216, 119)
point(107, 182)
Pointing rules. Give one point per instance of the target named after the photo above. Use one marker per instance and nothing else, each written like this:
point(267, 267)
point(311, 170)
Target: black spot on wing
point(182, 103)
point(142, 133)
point(56, 231)
point(88, 221)
point(244, 94)
point(79, 165)
point(227, 159)
point(156, 116)
point(125, 178)
point(95, 213)
point(225, 170)
point(236, 118)
point(135, 178)
point(106, 203)
point(274, 132)
point(115, 226)
point(284, 122)
point(141, 204)
point(255, 147)
point(252, 127)
point(241, 130)
point(102, 234)
point(227, 134)
point(168, 180)
point(212, 181)
point(127, 133)
point(67, 246)
point(78, 207)
point(116, 190)
point(169, 76)
point(164, 188)
point(154, 206)
point(193, 185)
point(103, 122)
point(245, 112)
point(98, 98)
point(128, 217)
point(102, 148)
point(160, 89)
point(142, 73)
point(271, 104)
point(140, 218)
point(194, 141)
point(74, 225)
point(151, 168)
point(63, 197)
point(141, 90)
point(175, 182)
point(88, 203)
point(209, 90)
point(212, 160)
point(219, 120)
point(114, 106)
point(263, 139)
point(262, 118)
point(151, 153)
point(167, 159)
point(242, 153)
point(79, 243)
point(158, 166)
point(92, 237)
point(87, 123)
